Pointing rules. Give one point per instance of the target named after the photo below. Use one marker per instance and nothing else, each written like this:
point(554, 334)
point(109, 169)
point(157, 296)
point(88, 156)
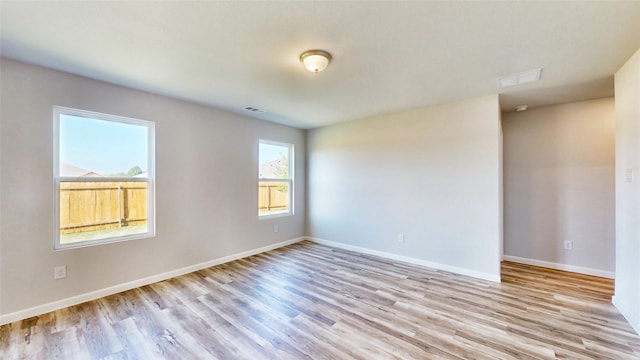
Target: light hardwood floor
point(308, 301)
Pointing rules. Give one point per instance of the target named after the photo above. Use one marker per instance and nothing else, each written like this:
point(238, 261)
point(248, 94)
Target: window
point(104, 178)
point(275, 178)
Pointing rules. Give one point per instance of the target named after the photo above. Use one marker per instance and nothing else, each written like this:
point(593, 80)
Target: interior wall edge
point(93, 295)
point(563, 267)
point(407, 259)
point(635, 324)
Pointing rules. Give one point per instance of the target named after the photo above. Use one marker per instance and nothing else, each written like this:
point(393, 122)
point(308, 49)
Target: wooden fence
point(88, 206)
point(273, 196)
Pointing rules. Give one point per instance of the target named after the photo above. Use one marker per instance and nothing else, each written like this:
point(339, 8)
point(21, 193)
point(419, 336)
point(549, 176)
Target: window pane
point(105, 177)
point(273, 161)
point(100, 210)
point(273, 197)
point(98, 148)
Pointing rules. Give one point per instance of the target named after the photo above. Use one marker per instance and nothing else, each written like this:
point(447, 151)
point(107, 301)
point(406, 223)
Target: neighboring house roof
point(270, 169)
point(141, 175)
point(68, 170)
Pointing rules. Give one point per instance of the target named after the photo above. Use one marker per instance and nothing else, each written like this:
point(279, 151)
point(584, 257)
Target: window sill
point(274, 216)
point(104, 241)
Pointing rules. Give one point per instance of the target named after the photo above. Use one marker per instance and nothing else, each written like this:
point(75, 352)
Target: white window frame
point(150, 179)
point(290, 195)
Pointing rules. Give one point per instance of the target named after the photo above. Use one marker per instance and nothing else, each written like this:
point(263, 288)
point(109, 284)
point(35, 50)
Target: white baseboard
point(564, 267)
point(635, 323)
point(78, 299)
point(410, 260)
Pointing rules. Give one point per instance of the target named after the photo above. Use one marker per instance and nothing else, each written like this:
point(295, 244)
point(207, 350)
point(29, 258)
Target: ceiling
point(387, 56)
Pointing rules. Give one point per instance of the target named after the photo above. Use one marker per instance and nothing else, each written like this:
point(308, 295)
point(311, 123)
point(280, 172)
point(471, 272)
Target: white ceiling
point(387, 56)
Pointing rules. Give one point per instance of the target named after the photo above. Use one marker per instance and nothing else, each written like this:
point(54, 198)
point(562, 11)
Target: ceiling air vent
point(519, 78)
point(253, 109)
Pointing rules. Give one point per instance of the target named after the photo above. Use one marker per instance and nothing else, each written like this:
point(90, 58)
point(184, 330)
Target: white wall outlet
point(568, 245)
point(401, 237)
point(629, 175)
point(275, 228)
point(60, 272)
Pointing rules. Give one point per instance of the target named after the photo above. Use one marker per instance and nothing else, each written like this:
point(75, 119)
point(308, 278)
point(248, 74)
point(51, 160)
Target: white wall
point(559, 186)
point(206, 188)
point(627, 293)
point(431, 174)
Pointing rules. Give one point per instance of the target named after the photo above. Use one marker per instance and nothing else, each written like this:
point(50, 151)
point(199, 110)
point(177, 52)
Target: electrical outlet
point(568, 245)
point(60, 272)
point(401, 237)
point(275, 228)
point(629, 175)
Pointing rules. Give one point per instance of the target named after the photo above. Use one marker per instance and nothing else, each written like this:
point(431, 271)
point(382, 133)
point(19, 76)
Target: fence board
point(273, 196)
point(88, 206)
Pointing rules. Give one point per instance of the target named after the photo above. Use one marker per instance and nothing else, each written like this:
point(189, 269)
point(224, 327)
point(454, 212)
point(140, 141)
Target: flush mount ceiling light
point(520, 108)
point(519, 78)
point(315, 60)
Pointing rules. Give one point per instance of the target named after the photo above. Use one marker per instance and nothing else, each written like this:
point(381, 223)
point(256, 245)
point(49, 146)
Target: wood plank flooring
point(308, 301)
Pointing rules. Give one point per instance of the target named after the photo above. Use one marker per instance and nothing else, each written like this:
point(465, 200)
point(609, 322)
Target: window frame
point(58, 111)
point(290, 195)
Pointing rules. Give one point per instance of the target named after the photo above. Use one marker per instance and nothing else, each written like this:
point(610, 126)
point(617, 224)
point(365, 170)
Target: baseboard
point(564, 267)
point(410, 260)
point(78, 299)
point(634, 324)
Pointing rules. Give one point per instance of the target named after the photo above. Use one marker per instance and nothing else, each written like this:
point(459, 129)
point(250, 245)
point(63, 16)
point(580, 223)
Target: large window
point(275, 178)
point(104, 178)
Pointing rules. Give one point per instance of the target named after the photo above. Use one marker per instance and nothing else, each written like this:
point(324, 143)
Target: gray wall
point(432, 174)
point(206, 187)
point(559, 186)
point(627, 294)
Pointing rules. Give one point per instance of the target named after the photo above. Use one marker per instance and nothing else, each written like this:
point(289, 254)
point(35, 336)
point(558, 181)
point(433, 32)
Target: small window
point(275, 178)
point(104, 178)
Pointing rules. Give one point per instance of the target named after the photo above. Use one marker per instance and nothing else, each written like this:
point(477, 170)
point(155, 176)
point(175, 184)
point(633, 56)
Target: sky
point(105, 147)
point(269, 152)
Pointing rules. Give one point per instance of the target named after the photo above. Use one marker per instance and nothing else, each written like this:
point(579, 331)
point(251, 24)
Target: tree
point(280, 168)
point(281, 171)
point(134, 171)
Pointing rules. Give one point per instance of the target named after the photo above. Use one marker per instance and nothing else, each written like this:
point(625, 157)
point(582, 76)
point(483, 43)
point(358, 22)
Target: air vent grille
point(519, 78)
point(253, 109)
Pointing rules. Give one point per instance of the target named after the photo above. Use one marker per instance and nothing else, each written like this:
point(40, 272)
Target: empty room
point(319, 180)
